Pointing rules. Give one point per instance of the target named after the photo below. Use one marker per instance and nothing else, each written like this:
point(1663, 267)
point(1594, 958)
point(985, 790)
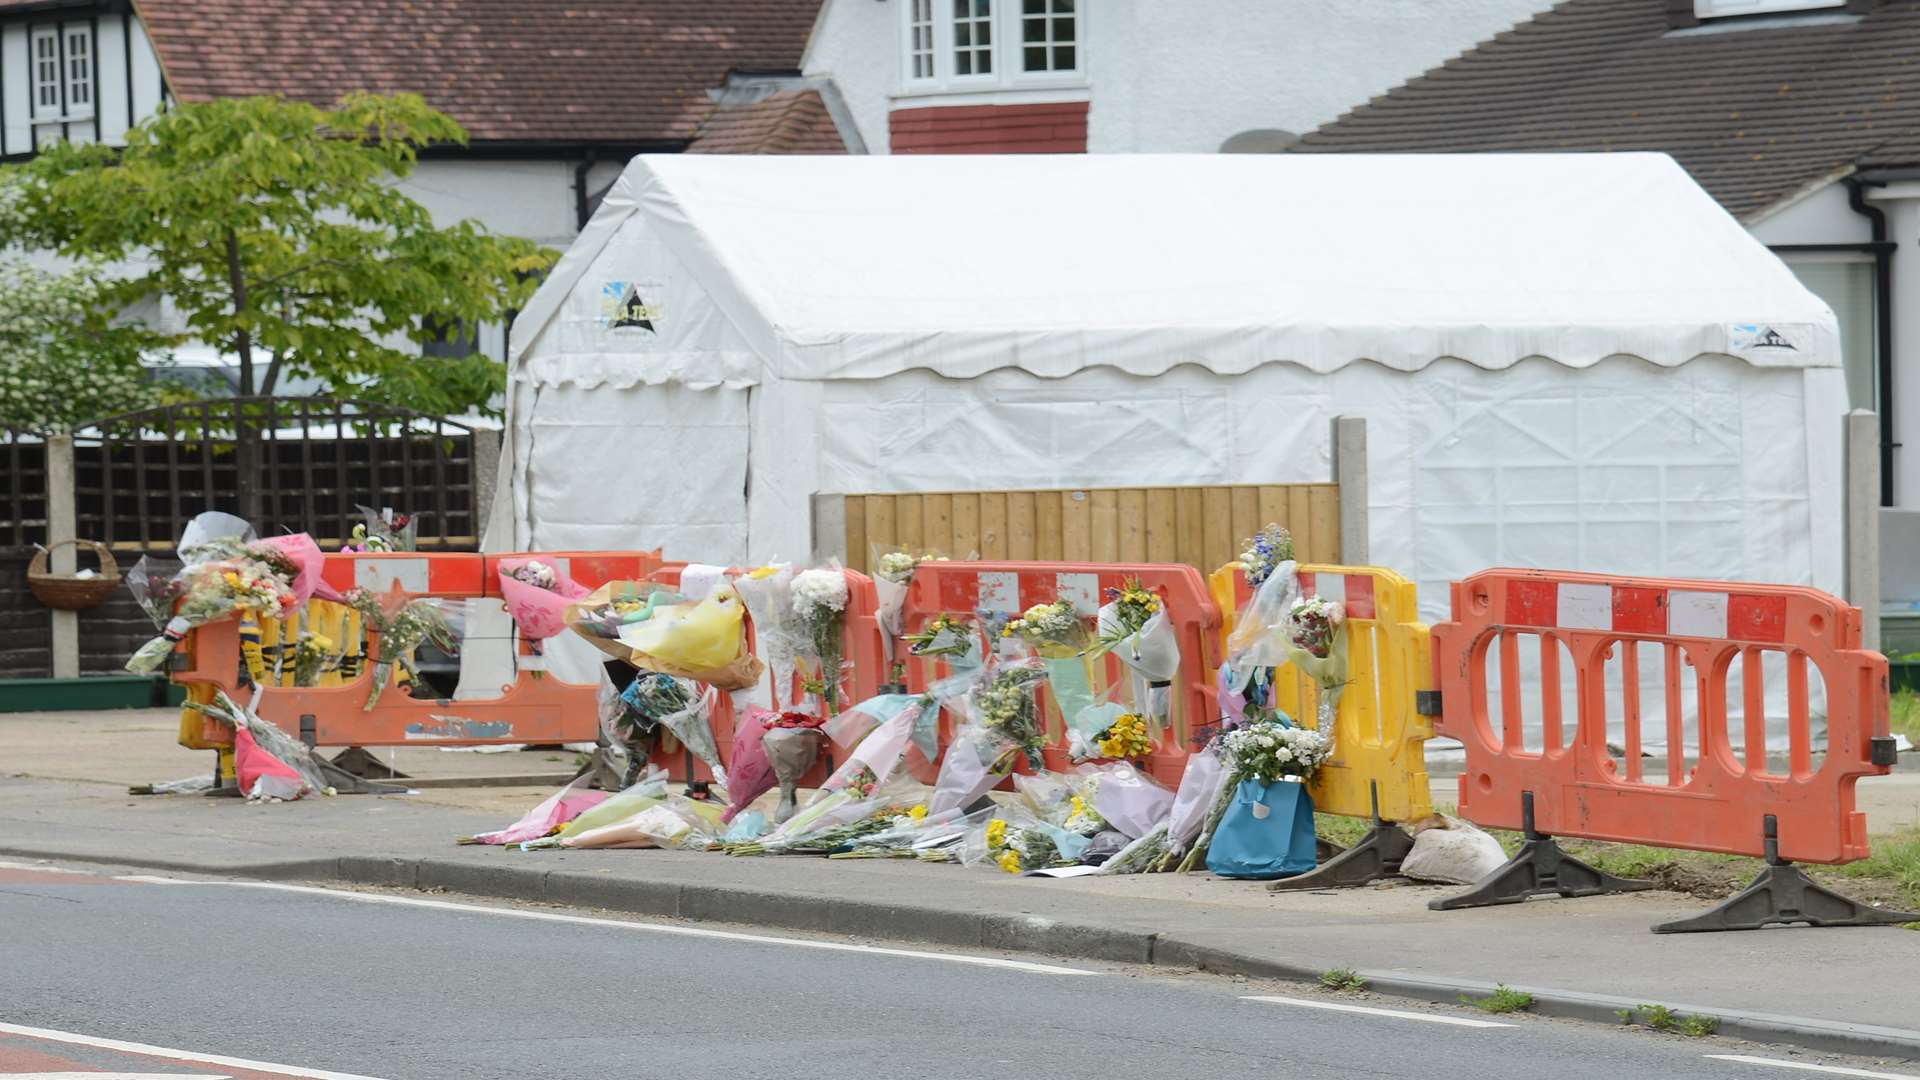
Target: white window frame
point(64, 109)
point(909, 50)
point(1717, 9)
point(80, 34)
point(1008, 73)
point(1019, 44)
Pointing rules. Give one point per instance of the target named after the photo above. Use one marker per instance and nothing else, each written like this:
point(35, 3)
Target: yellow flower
point(918, 813)
point(996, 834)
point(232, 578)
point(1010, 861)
point(764, 572)
point(323, 644)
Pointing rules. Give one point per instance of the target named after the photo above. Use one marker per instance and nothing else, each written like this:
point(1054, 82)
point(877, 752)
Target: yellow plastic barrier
point(1380, 736)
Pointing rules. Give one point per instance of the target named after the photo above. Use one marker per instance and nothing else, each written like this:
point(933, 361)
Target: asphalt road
point(281, 981)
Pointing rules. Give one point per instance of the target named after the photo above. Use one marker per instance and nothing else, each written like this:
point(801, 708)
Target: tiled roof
point(786, 122)
point(1755, 111)
point(509, 70)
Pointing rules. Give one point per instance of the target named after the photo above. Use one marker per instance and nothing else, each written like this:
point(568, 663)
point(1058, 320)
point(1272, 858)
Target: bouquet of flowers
point(399, 624)
point(538, 595)
point(1133, 627)
point(1158, 850)
point(948, 637)
point(1053, 630)
point(898, 722)
point(890, 579)
point(383, 530)
point(602, 614)
point(225, 578)
point(836, 819)
point(1017, 848)
point(1266, 551)
point(820, 603)
point(1127, 737)
point(270, 764)
point(792, 742)
point(1004, 723)
point(1273, 750)
point(1317, 645)
point(572, 800)
point(313, 656)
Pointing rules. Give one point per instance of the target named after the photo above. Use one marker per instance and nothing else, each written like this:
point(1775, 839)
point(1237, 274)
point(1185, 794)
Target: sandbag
point(1456, 853)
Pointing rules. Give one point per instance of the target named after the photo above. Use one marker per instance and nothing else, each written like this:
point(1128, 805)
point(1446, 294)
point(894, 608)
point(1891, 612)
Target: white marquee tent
point(1576, 361)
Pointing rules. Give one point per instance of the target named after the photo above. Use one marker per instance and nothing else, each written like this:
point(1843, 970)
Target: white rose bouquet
point(820, 603)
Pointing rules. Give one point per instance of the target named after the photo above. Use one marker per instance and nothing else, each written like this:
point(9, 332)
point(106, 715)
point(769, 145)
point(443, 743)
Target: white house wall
point(1821, 217)
point(531, 199)
point(1185, 75)
point(128, 84)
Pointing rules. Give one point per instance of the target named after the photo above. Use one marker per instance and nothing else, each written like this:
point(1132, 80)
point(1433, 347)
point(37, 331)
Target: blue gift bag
point(1267, 832)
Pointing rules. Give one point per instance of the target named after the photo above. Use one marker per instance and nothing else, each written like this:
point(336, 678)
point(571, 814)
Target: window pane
point(1036, 7)
point(1063, 29)
point(982, 8)
point(1036, 59)
point(1063, 58)
point(963, 63)
point(983, 33)
point(1034, 30)
point(1064, 7)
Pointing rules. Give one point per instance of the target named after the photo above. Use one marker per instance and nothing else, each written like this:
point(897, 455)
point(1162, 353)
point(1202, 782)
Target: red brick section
point(789, 122)
point(1058, 128)
point(509, 70)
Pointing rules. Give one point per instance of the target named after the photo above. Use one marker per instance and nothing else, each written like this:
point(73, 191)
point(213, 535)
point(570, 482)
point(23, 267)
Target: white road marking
point(117, 1076)
point(618, 924)
point(178, 1055)
point(1830, 1070)
point(1398, 1014)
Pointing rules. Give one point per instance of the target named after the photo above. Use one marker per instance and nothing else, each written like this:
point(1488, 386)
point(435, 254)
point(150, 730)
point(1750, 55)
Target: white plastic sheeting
point(1565, 360)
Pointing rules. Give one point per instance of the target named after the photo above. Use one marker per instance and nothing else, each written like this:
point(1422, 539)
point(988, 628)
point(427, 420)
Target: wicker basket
point(69, 593)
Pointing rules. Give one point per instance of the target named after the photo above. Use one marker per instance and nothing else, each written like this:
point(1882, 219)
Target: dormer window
point(988, 45)
point(1713, 9)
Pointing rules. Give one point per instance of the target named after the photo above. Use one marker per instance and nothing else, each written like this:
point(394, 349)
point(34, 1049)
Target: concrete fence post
point(829, 527)
point(1863, 520)
point(486, 479)
point(62, 525)
point(1350, 473)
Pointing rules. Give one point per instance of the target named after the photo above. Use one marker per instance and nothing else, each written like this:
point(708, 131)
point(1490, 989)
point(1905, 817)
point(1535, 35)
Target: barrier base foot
point(603, 772)
point(1783, 894)
point(356, 760)
point(1377, 855)
point(1539, 869)
point(1325, 850)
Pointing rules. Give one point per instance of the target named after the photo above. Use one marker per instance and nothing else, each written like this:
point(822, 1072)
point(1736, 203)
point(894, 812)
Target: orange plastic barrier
point(1731, 799)
point(966, 589)
point(534, 708)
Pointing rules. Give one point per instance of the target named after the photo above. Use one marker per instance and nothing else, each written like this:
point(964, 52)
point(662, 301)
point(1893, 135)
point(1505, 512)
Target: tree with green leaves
point(61, 362)
point(278, 232)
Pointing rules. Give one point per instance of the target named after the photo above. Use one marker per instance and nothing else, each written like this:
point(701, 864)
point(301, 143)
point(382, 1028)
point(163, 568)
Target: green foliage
point(278, 232)
point(1895, 857)
point(1905, 714)
point(1342, 980)
point(1504, 999)
point(1662, 1018)
point(61, 362)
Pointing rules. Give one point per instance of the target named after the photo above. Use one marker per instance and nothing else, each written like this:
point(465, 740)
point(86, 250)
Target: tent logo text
point(1768, 337)
point(624, 304)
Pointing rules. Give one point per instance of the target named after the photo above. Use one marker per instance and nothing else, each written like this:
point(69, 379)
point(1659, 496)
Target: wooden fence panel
point(1200, 526)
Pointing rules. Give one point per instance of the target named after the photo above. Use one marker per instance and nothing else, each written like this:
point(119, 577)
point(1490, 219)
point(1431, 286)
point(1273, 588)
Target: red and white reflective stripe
point(1353, 591)
point(1010, 592)
point(1650, 610)
point(438, 574)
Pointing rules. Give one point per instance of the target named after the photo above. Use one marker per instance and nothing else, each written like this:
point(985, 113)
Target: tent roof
point(859, 267)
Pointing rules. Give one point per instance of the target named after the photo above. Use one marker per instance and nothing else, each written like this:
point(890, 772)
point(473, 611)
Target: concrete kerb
point(932, 925)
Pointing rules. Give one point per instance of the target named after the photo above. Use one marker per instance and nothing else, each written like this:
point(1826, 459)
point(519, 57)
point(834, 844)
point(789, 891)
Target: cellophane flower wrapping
point(881, 753)
point(1259, 638)
point(1200, 785)
point(268, 738)
point(262, 776)
point(672, 822)
point(1128, 800)
point(1316, 643)
point(650, 791)
point(1151, 654)
point(602, 614)
point(767, 593)
point(1048, 795)
point(793, 751)
point(891, 579)
point(693, 726)
point(399, 623)
point(537, 593)
point(752, 774)
point(977, 759)
point(554, 811)
point(1272, 749)
point(704, 641)
point(155, 584)
point(950, 639)
point(1015, 842)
